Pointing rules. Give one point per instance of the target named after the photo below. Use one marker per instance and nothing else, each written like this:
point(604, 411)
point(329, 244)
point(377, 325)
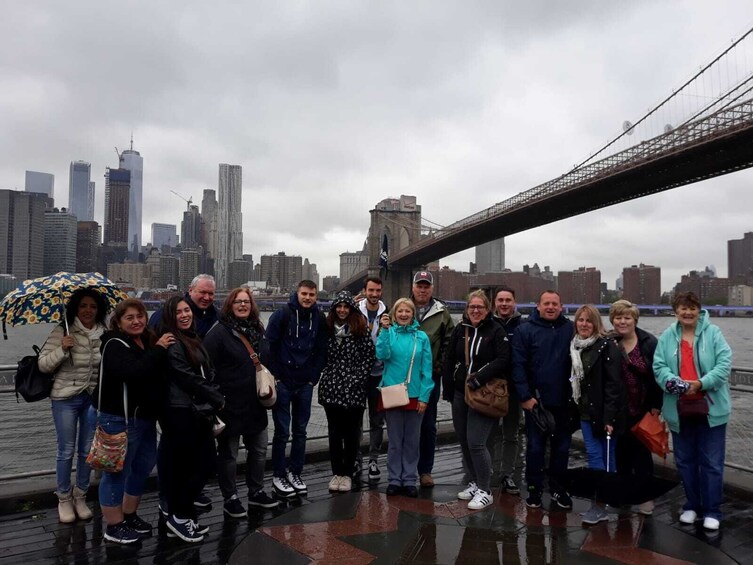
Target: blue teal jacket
point(395, 347)
point(713, 361)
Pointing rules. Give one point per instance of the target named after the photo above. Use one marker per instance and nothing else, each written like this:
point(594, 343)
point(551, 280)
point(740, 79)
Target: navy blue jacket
point(541, 359)
point(297, 341)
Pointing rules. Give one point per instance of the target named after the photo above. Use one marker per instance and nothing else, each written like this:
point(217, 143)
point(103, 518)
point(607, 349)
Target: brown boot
point(66, 512)
point(79, 504)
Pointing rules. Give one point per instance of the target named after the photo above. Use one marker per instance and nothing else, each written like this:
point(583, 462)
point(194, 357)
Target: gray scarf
point(577, 345)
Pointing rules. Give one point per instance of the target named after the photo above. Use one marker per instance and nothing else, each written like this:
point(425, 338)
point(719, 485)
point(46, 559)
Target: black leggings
point(344, 436)
point(187, 458)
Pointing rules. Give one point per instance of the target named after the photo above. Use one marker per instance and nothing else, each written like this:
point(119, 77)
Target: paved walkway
point(366, 526)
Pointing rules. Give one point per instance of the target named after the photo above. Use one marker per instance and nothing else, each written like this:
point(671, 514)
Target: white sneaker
point(334, 484)
point(467, 494)
point(481, 499)
point(688, 517)
point(646, 508)
point(282, 487)
point(710, 523)
point(346, 484)
point(297, 483)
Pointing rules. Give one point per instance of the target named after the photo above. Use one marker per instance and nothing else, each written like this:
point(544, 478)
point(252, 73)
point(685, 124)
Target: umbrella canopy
point(43, 300)
point(613, 488)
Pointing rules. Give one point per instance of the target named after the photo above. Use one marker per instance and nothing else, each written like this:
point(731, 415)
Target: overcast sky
point(333, 106)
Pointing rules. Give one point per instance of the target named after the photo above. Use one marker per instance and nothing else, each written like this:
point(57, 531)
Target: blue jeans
point(140, 458)
point(428, 442)
point(596, 449)
point(73, 418)
point(293, 399)
point(699, 456)
point(559, 450)
point(403, 430)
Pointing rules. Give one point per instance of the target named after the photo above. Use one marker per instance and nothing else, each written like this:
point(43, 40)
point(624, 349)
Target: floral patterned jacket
point(343, 380)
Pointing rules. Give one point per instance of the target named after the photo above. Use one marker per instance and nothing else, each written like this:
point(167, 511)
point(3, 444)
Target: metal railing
point(24, 423)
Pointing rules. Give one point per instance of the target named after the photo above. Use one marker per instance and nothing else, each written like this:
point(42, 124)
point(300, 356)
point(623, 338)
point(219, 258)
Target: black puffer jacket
point(186, 384)
point(235, 373)
point(343, 380)
point(602, 394)
point(489, 354)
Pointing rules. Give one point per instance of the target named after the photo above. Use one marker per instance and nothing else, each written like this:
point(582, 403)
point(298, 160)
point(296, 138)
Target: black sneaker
point(120, 533)
point(234, 508)
point(508, 485)
point(262, 500)
point(410, 491)
point(534, 498)
point(138, 525)
point(357, 467)
point(202, 501)
point(163, 507)
point(562, 499)
point(201, 529)
point(185, 530)
point(374, 472)
point(393, 490)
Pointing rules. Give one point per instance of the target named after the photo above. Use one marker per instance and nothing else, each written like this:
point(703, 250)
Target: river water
point(26, 431)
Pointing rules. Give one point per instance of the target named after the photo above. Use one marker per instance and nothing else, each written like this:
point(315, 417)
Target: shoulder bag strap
point(412, 358)
point(101, 373)
point(251, 353)
point(467, 353)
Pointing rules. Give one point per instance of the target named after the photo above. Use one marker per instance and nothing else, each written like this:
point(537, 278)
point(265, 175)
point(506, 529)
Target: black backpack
point(31, 383)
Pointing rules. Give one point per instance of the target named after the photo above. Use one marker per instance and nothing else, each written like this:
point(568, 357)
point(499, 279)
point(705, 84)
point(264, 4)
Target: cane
point(609, 439)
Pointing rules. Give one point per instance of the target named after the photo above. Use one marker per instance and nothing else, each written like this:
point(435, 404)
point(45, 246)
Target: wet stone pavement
point(366, 526)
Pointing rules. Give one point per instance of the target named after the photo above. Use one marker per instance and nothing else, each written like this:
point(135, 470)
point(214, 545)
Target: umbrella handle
point(609, 439)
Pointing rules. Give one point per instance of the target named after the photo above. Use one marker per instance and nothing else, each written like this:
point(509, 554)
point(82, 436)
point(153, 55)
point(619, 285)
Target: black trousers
point(633, 458)
point(186, 460)
point(344, 436)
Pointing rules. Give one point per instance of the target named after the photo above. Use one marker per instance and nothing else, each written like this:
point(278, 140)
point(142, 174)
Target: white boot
point(79, 504)
point(66, 512)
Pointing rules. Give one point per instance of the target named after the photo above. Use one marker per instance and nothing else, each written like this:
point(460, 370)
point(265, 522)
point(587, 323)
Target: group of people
point(193, 368)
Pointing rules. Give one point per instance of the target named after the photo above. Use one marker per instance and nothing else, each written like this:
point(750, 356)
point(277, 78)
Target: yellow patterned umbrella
point(43, 300)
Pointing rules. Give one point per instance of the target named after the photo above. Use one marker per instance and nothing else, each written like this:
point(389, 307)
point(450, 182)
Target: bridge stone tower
point(400, 220)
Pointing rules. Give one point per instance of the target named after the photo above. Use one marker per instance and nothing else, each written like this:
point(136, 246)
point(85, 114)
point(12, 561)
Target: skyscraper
point(229, 218)
point(22, 233)
point(490, 256)
point(59, 241)
point(87, 242)
point(164, 234)
point(81, 191)
point(642, 284)
point(117, 197)
point(190, 228)
point(209, 219)
point(40, 182)
point(132, 160)
point(740, 256)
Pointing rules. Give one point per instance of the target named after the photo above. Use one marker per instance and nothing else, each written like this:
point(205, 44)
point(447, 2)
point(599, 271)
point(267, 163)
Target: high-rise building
point(281, 271)
point(88, 237)
point(117, 198)
point(352, 263)
point(238, 273)
point(209, 222)
point(59, 241)
point(164, 234)
point(131, 160)
point(189, 267)
point(490, 256)
point(740, 256)
point(81, 191)
point(642, 284)
point(190, 228)
point(169, 271)
point(40, 182)
point(138, 274)
point(309, 272)
point(229, 221)
point(22, 233)
point(582, 286)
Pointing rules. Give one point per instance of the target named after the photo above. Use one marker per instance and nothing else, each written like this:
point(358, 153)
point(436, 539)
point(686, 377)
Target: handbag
point(395, 396)
point(218, 427)
point(31, 383)
point(108, 451)
point(692, 407)
point(266, 388)
point(652, 432)
point(490, 399)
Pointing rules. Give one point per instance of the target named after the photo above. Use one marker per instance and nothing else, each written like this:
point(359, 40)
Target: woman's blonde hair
point(593, 316)
point(399, 302)
point(479, 294)
point(622, 307)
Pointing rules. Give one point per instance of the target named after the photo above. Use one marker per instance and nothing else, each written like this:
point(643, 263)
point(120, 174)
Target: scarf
point(577, 345)
point(249, 329)
point(341, 331)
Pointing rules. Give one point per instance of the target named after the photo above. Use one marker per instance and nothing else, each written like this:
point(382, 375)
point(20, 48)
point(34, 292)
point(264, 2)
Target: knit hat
point(344, 297)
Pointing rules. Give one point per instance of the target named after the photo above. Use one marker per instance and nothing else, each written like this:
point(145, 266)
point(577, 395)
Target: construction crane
point(188, 200)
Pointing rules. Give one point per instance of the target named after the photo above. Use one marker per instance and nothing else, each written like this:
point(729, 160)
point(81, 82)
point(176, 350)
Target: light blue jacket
point(713, 361)
point(395, 347)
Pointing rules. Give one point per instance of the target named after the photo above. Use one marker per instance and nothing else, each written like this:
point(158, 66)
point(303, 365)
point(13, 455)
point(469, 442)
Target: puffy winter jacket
point(713, 361)
point(80, 375)
point(395, 347)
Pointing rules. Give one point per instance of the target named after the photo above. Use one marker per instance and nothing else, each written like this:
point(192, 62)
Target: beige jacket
point(81, 375)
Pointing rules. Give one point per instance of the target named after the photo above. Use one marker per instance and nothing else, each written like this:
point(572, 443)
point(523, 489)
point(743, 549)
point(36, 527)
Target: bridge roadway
point(715, 145)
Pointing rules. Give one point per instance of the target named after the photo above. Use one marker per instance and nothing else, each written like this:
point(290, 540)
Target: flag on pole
point(383, 254)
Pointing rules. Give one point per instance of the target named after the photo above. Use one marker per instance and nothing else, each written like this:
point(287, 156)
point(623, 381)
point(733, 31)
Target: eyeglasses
point(239, 302)
point(474, 307)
